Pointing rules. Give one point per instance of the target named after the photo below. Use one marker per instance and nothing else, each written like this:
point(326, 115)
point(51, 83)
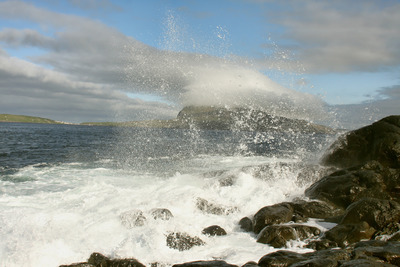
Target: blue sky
point(97, 60)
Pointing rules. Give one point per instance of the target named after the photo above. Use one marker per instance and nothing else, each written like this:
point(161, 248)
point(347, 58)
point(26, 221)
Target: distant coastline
point(206, 118)
point(27, 119)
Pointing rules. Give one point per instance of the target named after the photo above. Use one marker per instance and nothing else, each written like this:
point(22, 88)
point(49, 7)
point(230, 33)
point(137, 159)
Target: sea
point(69, 190)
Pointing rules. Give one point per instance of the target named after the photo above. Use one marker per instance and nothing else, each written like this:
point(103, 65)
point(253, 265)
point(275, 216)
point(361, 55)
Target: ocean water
point(67, 190)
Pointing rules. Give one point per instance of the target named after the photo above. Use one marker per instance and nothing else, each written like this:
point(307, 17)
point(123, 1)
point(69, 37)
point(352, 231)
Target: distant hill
point(26, 119)
point(219, 118)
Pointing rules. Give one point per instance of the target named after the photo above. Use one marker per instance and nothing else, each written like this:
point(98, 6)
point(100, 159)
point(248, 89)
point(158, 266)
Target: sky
point(331, 62)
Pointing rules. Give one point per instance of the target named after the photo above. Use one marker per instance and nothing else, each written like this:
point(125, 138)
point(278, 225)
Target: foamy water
point(79, 197)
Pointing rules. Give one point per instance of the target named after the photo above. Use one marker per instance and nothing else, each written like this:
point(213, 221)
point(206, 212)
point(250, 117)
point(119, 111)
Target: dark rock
point(386, 251)
point(212, 208)
point(98, 259)
point(132, 218)
point(182, 241)
point(321, 244)
point(214, 230)
point(278, 235)
point(281, 258)
point(395, 237)
point(275, 214)
point(365, 263)
point(246, 224)
point(379, 141)
point(316, 209)
point(316, 262)
point(80, 264)
point(378, 213)
point(348, 186)
point(216, 263)
point(250, 264)
point(347, 234)
point(162, 214)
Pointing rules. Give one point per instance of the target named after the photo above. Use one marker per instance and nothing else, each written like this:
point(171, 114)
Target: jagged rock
point(275, 214)
point(278, 235)
point(162, 214)
point(246, 224)
point(98, 259)
point(215, 263)
point(378, 213)
point(183, 241)
point(344, 187)
point(379, 141)
point(132, 218)
point(212, 208)
point(214, 230)
point(347, 234)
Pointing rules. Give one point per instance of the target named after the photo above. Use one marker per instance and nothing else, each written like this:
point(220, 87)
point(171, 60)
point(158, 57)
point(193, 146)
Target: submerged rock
point(183, 241)
point(132, 218)
point(162, 214)
point(213, 208)
point(214, 230)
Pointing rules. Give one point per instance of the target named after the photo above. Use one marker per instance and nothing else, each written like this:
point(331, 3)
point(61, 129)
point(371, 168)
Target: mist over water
point(201, 78)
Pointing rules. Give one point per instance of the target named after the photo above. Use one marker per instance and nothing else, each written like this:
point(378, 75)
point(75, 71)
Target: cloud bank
point(85, 67)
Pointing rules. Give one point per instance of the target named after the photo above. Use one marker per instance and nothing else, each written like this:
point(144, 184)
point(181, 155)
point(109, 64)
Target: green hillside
point(25, 119)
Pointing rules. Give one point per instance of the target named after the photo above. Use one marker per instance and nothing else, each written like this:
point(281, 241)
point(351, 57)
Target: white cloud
point(342, 36)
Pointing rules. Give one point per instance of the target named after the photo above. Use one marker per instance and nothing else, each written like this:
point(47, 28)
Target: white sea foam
point(61, 214)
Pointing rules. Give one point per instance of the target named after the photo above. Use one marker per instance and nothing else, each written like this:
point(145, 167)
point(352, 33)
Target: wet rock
point(183, 241)
point(99, 260)
point(348, 186)
point(281, 258)
point(246, 224)
point(162, 214)
point(213, 208)
point(269, 215)
point(379, 141)
point(82, 264)
point(316, 262)
point(216, 263)
point(132, 218)
point(278, 235)
point(214, 230)
point(322, 244)
point(386, 251)
point(316, 209)
point(378, 213)
point(250, 264)
point(365, 263)
point(347, 234)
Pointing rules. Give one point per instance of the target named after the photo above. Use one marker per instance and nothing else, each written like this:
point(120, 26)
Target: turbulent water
point(65, 188)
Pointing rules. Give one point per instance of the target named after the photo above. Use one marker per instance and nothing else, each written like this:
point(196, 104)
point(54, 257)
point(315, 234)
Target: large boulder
point(379, 141)
point(269, 215)
point(347, 186)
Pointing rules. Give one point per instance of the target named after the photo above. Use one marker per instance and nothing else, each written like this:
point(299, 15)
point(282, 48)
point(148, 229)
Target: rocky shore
point(361, 197)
